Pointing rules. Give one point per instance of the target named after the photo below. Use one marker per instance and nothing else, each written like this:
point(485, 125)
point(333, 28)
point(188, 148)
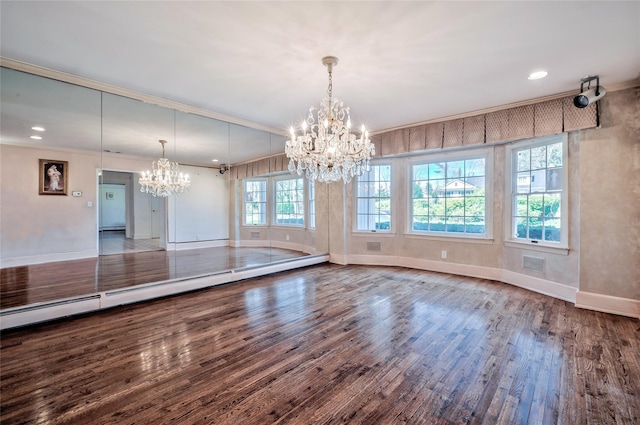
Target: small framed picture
point(109, 195)
point(54, 177)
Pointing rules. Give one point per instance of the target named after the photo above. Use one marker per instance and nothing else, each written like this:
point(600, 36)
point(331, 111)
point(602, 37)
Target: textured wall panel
point(263, 166)
point(453, 133)
point(434, 135)
point(497, 126)
point(548, 117)
point(418, 138)
point(242, 171)
point(473, 131)
point(578, 118)
point(377, 143)
point(521, 122)
point(395, 142)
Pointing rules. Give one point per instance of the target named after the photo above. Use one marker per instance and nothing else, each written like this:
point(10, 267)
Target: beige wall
point(40, 225)
point(610, 199)
point(604, 215)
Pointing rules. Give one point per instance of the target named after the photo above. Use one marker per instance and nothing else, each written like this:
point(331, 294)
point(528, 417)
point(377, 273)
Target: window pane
point(474, 207)
point(554, 155)
point(523, 184)
point(437, 224)
point(521, 205)
point(524, 160)
point(552, 229)
point(474, 167)
point(420, 172)
point(552, 205)
point(455, 169)
point(539, 158)
point(554, 179)
point(474, 225)
point(535, 228)
point(436, 170)
point(455, 224)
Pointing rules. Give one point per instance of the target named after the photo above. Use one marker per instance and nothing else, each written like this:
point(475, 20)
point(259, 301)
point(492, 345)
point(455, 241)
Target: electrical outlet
point(443, 254)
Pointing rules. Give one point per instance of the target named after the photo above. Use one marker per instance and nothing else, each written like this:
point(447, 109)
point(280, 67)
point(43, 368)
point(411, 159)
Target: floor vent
point(255, 235)
point(373, 246)
point(533, 263)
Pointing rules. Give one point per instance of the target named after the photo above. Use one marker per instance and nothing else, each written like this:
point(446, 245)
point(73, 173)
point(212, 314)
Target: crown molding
point(610, 88)
point(108, 88)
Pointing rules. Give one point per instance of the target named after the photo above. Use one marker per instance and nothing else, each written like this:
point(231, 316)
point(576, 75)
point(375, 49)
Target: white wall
point(112, 207)
point(42, 228)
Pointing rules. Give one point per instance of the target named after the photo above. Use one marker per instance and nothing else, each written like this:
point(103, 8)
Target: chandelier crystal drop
point(327, 150)
point(165, 179)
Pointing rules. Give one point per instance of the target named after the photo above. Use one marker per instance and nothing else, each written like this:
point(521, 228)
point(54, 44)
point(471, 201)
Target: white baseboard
point(542, 286)
point(47, 258)
point(181, 246)
point(608, 304)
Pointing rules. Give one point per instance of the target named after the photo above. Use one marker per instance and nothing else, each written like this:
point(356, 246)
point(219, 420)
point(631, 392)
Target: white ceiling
point(400, 62)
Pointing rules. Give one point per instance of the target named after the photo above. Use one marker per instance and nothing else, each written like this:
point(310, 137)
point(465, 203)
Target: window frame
point(455, 155)
point(274, 209)
point(266, 202)
point(511, 181)
point(390, 230)
point(311, 204)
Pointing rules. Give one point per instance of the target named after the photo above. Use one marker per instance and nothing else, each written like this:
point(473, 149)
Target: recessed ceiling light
point(37, 128)
point(537, 75)
point(214, 160)
point(36, 137)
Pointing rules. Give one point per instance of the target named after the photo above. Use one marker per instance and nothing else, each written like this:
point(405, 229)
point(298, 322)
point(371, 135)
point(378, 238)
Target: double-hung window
point(537, 191)
point(255, 202)
point(373, 199)
point(449, 195)
point(289, 201)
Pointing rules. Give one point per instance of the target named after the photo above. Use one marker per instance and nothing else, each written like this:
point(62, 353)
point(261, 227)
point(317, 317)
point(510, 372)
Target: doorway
point(129, 221)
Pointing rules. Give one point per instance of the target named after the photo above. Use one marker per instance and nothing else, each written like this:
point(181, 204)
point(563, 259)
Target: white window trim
point(354, 227)
point(244, 215)
point(484, 151)
point(274, 204)
point(307, 200)
point(561, 247)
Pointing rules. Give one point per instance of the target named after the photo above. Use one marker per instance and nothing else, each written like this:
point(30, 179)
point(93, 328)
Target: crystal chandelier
point(327, 150)
point(165, 179)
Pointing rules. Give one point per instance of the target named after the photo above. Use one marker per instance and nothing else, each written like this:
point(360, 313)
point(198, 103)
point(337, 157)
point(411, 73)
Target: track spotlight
point(590, 95)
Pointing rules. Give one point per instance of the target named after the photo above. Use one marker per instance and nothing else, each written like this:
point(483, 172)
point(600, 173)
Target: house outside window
point(255, 202)
point(373, 199)
point(449, 195)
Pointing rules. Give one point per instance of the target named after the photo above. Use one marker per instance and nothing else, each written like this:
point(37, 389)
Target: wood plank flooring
point(26, 285)
point(329, 344)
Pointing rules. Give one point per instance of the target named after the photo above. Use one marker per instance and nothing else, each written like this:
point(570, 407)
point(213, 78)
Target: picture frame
point(54, 177)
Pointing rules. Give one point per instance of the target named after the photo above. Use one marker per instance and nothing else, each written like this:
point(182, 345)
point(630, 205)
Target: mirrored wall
point(95, 230)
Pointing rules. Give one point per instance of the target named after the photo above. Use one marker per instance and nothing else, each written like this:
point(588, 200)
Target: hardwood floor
point(26, 285)
point(329, 344)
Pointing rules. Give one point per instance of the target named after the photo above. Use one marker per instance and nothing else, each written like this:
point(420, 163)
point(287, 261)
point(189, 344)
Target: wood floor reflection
point(329, 344)
point(53, 281)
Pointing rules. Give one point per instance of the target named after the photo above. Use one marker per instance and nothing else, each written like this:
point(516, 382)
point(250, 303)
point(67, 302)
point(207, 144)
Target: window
point(312, 204)
point(373, 211)
point(255, 202)
point(449, 195)
point(289, 201)
point(537, 191)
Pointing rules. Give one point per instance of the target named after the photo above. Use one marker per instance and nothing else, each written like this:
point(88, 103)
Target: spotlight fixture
point(588, 96)
point(223, 168)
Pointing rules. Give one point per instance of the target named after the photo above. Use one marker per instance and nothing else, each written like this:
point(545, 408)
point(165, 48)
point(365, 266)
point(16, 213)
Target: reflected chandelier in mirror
point(165, 179)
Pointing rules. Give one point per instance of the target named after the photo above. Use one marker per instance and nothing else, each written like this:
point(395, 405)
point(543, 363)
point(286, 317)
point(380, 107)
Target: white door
point(157, 217)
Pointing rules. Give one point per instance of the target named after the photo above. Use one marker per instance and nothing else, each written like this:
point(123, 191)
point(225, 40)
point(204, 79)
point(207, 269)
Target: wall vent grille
point(533, 263)
point(373, 246)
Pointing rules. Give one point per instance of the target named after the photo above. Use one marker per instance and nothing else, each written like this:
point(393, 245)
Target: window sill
point(255, 226)
point(558, 250)
point(289, 226)
point(464, 239)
